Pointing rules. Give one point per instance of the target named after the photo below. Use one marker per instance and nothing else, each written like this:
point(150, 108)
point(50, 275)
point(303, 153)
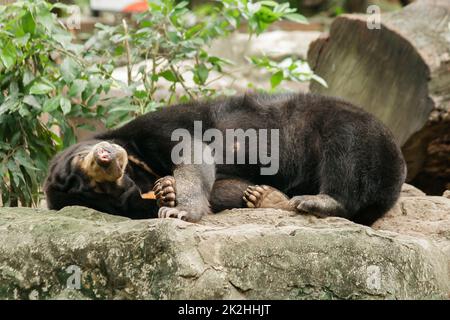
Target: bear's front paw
point(179, 213)
point(165, 192)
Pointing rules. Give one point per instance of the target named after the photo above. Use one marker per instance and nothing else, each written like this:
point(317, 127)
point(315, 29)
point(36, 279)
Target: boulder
point(78, 253)
point(418, 215)
point(396, 66)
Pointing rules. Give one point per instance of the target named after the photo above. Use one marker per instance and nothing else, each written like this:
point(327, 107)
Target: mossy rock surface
point(242, 253)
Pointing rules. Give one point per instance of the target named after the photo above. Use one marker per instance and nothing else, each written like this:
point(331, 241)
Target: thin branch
point(127, 46)
point(186, 89)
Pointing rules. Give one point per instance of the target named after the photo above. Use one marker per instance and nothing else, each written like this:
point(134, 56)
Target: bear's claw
point(165, 192)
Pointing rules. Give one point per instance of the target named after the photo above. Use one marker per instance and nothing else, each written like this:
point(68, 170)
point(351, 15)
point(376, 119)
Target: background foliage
point(47, 80)
point(43, 83)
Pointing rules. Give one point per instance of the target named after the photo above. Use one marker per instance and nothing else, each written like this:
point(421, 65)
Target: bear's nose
point(104, 156)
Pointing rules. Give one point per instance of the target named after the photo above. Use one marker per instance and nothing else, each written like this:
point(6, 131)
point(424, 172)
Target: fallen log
point(401, 73)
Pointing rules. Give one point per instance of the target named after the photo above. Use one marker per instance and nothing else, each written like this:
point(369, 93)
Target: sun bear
point(332, 159)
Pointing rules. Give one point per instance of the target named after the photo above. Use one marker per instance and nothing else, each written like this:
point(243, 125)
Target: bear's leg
point(320, 205)
point(227, 194)
point(343, 182)
point(186, 192)
point(194, 183)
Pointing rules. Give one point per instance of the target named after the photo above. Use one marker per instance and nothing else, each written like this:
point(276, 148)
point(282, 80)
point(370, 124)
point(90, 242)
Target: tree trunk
point(401, 73)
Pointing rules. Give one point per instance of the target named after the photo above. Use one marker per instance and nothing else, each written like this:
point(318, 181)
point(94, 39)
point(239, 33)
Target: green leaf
point(140, 94)
point(184, 98)
point(266, 15)
point(182, 4)
point(28, 76)
point(276, 79)
point(296, 18)
point(192, 31)
point(8, 55)
point(252, 8)
point(282, 7)
point(22, 41)
point(77, 87)
point(146, 24)
point(262, 62)
point(219, 61)
point(69, 70)
point(46, 18)
point(121, 105)
point(51, 105)
point(338, 10)
point(28, 23)
point(24, 160)
point(201, 73)
point(66, 106)
point(64, 39)
point(23, 111)
point(15, 138)
point(169, 75)
point(109, 68)
point(32, 101)
point(173, 37)
point(69, 137)
point(86, 126)
point(56, 139)
point(106, 85)
point(9, 105)
point(15, 172)
point(40, 87)
point(152, 106)
point(93, 100)
point(61, 6)
point(269, 3)
point(119, 50)
point(93, 86)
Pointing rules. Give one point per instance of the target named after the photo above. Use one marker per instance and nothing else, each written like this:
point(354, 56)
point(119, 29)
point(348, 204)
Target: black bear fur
point(327, 147)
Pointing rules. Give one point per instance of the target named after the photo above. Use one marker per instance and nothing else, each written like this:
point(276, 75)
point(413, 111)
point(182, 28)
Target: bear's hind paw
point(265, 197)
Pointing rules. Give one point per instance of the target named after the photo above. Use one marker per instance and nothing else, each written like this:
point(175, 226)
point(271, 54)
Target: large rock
point(396, 66)
point(255, 254)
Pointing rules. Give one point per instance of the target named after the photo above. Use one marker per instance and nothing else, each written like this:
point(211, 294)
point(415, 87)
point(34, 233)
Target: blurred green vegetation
point(47, 79)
